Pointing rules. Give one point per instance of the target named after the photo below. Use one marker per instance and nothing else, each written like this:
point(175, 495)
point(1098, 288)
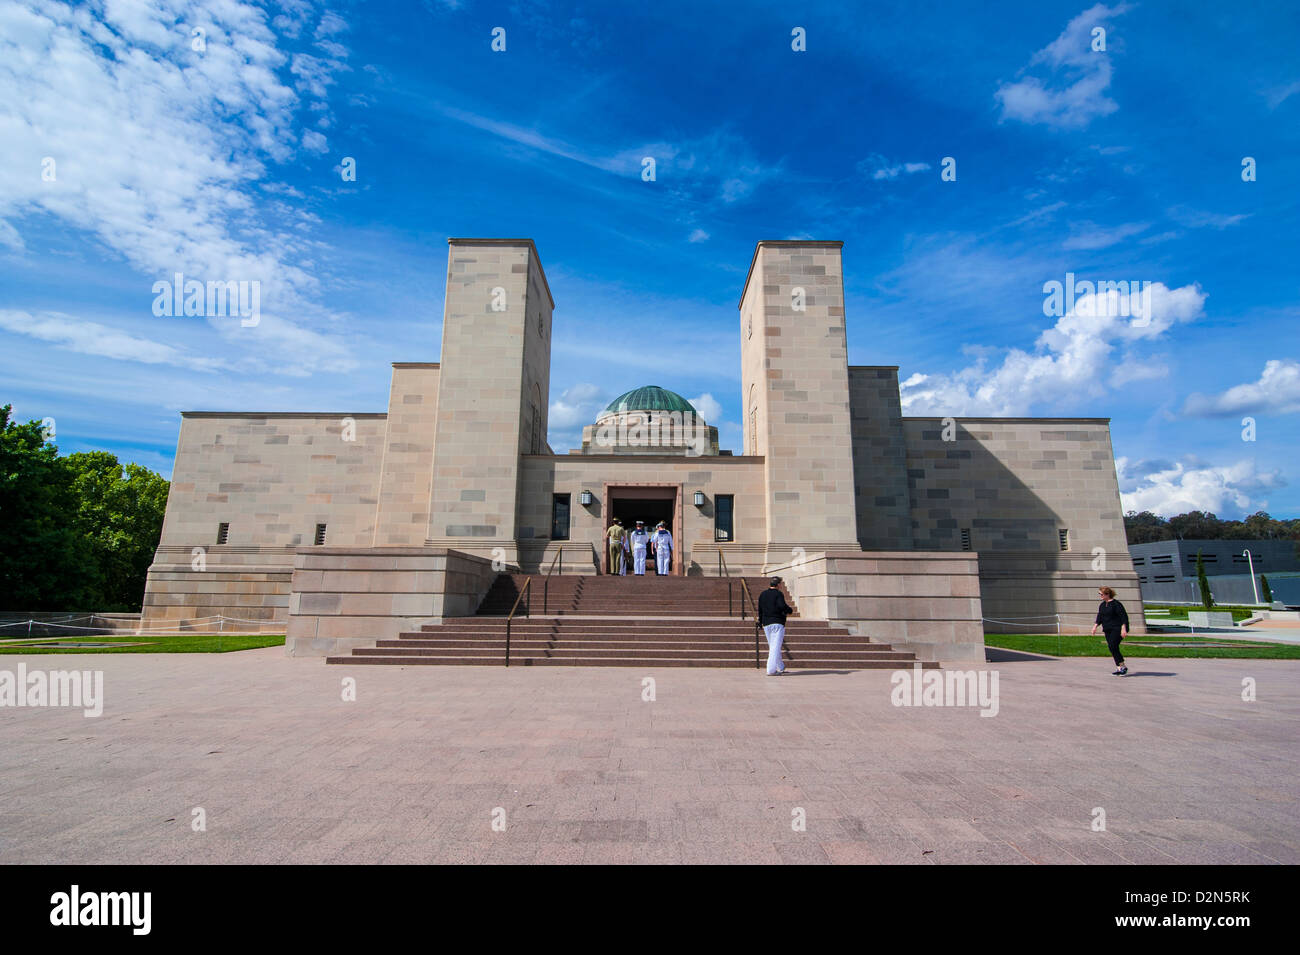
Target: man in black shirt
point(1113, 620)
point(772, 611)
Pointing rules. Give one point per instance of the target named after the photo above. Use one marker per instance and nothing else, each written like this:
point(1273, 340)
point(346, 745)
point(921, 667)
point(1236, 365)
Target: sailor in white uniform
point(662, 542)
point(640, 540)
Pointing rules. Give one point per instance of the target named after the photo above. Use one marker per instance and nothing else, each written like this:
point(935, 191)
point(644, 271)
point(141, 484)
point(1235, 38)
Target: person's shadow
point(1132, 673)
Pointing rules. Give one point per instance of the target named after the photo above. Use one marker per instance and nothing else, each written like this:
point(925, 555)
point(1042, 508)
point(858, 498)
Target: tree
point(1146, 527)
point(1207, 599)
point(77, 533)
point(119, 517)
point(42, 566)
point(1196, 525)
point(1268, 591)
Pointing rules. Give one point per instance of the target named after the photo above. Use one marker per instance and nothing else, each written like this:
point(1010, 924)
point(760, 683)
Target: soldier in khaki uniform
point(615, 536)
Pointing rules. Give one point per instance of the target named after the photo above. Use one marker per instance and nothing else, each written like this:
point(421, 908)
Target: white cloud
point(1074, 90)
point(577, 406)
point(126, 110)
point(1073, 359)
point(1089, 235)
point(699, 235)
point(330, 24)
point(9, 237)
point(91, 338)
point(719, 166)
point(1276, 392)
point(1279, 95)
point(708, 406)
point(1198, 219)
point(878, 167)
point(314, 142)
point(1168, 489)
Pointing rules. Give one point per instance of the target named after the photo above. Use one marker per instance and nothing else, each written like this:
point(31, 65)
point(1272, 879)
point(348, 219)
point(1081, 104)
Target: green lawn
point(1177, 612)
point(1073, 645)
point(154, 643)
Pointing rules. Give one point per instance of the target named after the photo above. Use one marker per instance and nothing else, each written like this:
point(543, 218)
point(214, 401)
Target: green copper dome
point(650, 398)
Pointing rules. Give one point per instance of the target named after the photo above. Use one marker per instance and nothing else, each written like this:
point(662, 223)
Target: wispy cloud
point(123, 106)
point(1072, 91)
point(92, 338)
point(1089, 235)
point(879, 168)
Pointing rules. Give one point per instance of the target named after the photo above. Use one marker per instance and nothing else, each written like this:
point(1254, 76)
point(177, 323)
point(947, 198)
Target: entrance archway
point(651, 503)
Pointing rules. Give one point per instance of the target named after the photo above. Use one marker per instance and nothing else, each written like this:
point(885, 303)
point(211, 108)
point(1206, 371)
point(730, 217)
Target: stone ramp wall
point(924, 602)
point(344, 598)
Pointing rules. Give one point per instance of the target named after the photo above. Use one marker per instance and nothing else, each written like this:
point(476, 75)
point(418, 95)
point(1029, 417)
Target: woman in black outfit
point(1113, 620)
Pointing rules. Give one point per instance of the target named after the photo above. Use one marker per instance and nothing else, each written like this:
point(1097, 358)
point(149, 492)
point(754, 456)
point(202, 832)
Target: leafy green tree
point(1207, 599)
point(119, 519)
point(1196, 525)
point(77, 533)
point(43, 566)
point(1145, 527)
point(1265, 589)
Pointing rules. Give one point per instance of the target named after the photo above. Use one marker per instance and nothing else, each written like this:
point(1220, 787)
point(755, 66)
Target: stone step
point(623, 661)
point(400, 646)
point(605, 621)
point(603, 652)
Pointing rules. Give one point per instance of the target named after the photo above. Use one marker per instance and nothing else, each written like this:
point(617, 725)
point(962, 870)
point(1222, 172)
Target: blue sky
point(225, 162)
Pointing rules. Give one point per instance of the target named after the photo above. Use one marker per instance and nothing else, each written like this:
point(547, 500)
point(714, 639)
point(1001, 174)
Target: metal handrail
point(746, 598)
point(528, 583)
point(546, 583)
point(744, 587)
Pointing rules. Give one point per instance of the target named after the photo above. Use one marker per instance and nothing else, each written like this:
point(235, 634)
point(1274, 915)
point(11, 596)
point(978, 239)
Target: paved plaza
point(580, 768)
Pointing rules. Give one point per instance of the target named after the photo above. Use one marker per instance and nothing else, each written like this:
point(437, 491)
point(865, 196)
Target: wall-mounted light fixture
point(699, 498)
point(585, 498)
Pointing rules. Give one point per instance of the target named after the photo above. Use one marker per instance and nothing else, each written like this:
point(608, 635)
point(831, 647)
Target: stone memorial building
point(349, 526)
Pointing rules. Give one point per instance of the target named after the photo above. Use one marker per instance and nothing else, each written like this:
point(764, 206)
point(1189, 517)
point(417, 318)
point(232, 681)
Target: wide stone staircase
point(624, 621)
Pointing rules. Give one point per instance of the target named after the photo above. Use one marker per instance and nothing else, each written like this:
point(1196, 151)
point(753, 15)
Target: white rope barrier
point(1015, 621)
point(219, 619)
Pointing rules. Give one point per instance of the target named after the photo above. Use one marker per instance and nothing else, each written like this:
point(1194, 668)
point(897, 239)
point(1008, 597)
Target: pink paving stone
point(587, 772)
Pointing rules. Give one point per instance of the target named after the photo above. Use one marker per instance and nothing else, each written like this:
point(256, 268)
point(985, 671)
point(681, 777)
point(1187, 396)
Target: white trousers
point(775, 635)
point(663, 560)
point(626, 560)
point(638, 560)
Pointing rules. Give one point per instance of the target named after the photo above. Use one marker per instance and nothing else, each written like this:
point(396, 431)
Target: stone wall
point(402, 518)
point(272, 478)
point(1026, 593)
point(926, 603)
point(544, 476)
point(879, 459)
point(489, 321)
point(344, 598)
point(807, 440)
point(1015, 484)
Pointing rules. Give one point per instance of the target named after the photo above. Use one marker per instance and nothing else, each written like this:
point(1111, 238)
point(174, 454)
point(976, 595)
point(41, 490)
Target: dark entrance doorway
point(649, 504)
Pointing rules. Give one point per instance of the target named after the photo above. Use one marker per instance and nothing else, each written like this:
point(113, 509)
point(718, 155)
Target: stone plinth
point(925, 602)
point(344, 597)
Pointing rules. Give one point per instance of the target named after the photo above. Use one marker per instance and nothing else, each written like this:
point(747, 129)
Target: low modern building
point(349, 526)
point(1167, 569)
